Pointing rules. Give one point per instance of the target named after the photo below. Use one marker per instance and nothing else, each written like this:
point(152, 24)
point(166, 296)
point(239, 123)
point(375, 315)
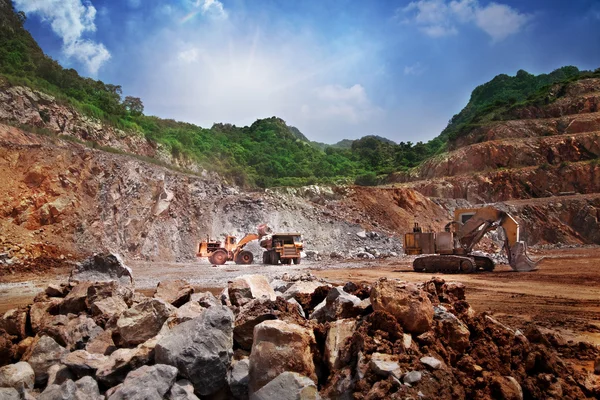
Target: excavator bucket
point(519, 260)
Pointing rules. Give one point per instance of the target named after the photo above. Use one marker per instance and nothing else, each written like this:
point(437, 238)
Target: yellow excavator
point(230, 249)
point(452, 249)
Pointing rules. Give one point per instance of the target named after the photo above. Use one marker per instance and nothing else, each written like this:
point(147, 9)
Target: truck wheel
point(274, 258)
point(265, 257)
point(245, 257)
point(296, 260)
point(219, 257)
point(210, 259)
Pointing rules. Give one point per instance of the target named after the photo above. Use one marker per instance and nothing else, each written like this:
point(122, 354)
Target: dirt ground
point(562, 296)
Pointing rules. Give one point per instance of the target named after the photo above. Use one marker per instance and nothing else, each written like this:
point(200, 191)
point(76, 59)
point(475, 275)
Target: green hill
point(494, 100)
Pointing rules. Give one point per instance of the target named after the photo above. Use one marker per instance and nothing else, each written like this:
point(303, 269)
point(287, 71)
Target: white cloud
point(213, 8)
point(437, 18)
point(70, 19)
point(188, 56)
point(93, 55)
point(415, 69)
point(500, 21)
point(351, 103)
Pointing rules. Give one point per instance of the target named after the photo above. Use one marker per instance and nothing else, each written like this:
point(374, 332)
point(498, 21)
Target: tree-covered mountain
point(269, 152)
point(494, 100)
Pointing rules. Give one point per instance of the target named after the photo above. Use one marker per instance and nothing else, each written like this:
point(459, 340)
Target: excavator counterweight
point(451, 251)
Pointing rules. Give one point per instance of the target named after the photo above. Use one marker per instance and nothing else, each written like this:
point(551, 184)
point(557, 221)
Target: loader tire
point(266, 257)
point(245, 257)
point(219, 257)
point(296, 260)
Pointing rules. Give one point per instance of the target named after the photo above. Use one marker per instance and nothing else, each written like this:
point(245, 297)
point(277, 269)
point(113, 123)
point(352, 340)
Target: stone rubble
point(391, 339)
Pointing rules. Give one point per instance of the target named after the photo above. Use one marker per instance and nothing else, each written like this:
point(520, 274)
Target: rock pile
point(284, 339)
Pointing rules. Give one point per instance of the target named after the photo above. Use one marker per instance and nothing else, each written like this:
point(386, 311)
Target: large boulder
point(84, 389)
point(102, 267)
point(288, 386)
point(406, 302)
point(301, 289)
point(122, 361)
point(182, 390)
point(106, 309)
point(451, 330)
point(76, 301)
point(9, 394)
point(205, 299)
point(105, 290)
point(257, 311)
point(101, 344)
point(279, 347)
point(7, 348)
point(337, 305)
point(43, 311)
point(247, 287)
point(201, 349)
point(175, 292)
point(14, 322)
point(82, 363)
point(143, 321)
point(17, 375)
point(58, 374)
point(79, 331)
point(338, 334)
point(146, 383)
point(44, 353)
point(186, 312)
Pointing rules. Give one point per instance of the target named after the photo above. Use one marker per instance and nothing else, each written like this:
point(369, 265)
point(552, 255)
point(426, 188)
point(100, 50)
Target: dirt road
point(564, 295)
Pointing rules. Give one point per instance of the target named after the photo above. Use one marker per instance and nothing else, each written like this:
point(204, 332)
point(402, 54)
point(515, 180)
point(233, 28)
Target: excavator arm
point(485, 219)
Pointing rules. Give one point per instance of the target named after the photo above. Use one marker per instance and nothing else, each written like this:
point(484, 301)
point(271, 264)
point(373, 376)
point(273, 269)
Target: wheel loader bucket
point(519, 260)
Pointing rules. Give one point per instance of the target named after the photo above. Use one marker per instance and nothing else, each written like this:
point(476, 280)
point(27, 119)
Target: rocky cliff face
point(21, 105)
point(528, 165)
point(65, 195)
point(570, 109)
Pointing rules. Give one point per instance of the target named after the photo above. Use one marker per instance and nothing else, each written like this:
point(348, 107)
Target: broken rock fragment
point(16, 375)
point(146, 383)
point(288, 386)
point(201, 349)
point(44, 353)
point(247, 287)
point(174, 292)
point(102, 267)
point(143, 321)
point(406, 302)
point(279, 347)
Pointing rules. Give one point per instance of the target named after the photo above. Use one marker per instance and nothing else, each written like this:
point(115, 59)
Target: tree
point(134, 105)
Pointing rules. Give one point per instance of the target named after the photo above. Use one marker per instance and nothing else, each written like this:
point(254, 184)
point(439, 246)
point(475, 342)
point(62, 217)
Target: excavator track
point(452, 264)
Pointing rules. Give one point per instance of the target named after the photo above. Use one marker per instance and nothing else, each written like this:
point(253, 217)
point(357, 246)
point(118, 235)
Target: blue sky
point(334, 69)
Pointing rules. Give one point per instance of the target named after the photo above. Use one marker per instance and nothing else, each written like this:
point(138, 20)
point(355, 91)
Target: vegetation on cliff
point(494, 100)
